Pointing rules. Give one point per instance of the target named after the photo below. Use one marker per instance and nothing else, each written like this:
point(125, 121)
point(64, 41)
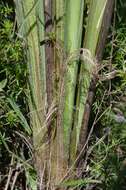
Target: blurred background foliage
point(15, 148)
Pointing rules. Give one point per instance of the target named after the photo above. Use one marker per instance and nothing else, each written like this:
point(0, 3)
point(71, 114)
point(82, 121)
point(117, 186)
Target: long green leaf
point(72, 41)
point(96, 12)
point(79, 182)
point(21, 117)
point(33, 28)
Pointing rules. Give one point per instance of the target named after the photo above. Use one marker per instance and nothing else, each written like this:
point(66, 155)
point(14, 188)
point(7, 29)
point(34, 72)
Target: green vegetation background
point(106, 155)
